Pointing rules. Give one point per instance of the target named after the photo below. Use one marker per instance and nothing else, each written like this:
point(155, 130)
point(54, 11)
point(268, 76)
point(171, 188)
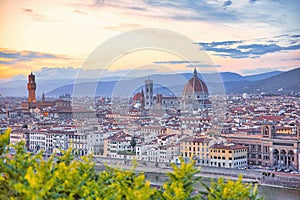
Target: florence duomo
point(195, 97)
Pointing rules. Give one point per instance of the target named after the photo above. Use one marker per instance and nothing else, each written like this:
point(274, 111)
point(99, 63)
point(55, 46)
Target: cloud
point(11, 57)
point(252, 48)
point(202, 65)
point(27, 10)
point(295, 36)
point(37, 16)
point(227, 3)
point(137, 8)
point(290, 59)
point(57, 73)
point(175, 62)
point(70, 73)
point(98, 3)
point(252, 1)
point(80, 12)
point(216, 11)
point(257, 70)
point(188, 64)
point(124, 27)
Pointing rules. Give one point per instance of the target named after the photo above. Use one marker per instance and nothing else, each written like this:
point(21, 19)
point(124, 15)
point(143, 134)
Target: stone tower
point(142, 101)
point(31, 86)
point(148, 94)
point(43, 97)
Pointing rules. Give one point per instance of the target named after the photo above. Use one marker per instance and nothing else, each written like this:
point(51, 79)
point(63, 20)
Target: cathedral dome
point(138, 96)
point(195, 85)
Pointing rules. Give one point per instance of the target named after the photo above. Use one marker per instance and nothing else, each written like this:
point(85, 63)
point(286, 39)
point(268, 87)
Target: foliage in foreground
point(26, 176)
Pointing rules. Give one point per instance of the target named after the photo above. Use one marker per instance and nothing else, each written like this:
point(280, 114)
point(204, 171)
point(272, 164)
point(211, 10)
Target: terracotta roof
point(271, 118)
point(195, 84)
point(138, 96)
point(228, 146)
point(195, 139)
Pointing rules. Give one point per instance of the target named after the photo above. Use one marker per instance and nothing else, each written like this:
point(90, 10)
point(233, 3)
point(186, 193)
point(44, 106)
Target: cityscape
point(257, 132)
point(171, 83)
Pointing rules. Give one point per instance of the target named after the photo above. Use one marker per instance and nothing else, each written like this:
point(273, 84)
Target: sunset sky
point(240, 36)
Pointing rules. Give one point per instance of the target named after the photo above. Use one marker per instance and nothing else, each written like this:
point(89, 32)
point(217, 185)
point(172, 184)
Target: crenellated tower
point(31, 86)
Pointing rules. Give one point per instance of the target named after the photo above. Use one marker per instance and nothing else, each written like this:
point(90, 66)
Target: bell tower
point(149, 94)
point(31, 86)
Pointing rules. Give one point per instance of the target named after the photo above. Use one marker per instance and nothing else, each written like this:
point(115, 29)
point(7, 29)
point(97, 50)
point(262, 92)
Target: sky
point(57, 37)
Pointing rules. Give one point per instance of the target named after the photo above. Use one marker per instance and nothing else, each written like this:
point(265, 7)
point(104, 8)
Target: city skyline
point(246, 37)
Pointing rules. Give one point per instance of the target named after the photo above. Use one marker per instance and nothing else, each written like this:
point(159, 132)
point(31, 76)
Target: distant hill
point(262, 76)
point(283, 83)
point(236, 86)
point(167, 84)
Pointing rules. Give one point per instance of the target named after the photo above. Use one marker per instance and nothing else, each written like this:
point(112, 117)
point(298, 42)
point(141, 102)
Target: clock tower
point(31, 86)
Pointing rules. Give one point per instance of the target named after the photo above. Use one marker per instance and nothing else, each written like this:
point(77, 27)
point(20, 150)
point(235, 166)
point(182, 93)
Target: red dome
point(195, 84)
point(138, 97)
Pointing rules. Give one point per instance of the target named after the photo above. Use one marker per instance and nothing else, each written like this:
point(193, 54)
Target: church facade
point(195, 96)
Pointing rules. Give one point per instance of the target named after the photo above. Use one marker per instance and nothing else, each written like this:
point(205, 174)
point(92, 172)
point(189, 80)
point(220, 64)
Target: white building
point(95, 142)
point(143, 151)
point(118, 146)
point(37, 140)
point(168, 152)
point(59, 142)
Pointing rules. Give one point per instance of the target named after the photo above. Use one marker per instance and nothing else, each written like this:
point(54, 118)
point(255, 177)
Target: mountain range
point(274, 82)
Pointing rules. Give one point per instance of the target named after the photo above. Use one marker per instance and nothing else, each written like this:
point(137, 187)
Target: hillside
point(284, 83)
point(167, 84)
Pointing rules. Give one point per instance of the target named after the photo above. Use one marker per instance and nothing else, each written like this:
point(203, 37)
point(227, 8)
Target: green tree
point(229, 190)
point(182, 181)
point(27, 176)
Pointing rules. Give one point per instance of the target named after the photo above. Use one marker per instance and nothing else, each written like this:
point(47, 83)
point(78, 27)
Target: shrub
point(27, 176)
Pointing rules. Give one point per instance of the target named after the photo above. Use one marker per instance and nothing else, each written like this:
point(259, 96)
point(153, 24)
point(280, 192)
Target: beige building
point(228, 156)
point(270, 148)
point(196, 147)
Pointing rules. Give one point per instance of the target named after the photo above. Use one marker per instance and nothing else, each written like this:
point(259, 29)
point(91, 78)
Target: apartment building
point(197, 148)
point(167, 153)
point(228, 156)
